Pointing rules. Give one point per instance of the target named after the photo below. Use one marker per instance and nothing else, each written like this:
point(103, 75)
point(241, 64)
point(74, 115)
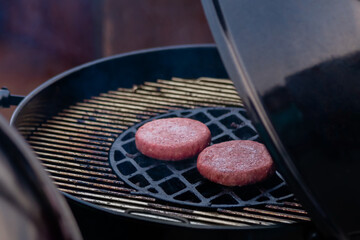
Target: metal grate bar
point(86, 125)
point(91, 111)
point(215, 80)
point(198, 85)
point(121, 196)
point(199, 98)
point(80, 171)
point(87, 183)
point(66, 147)
point(219, 83)
point(98, 119)
point(48, 131)
point(146, 110)
point(27, 128)
point(101, 190)
point(84, 176)
point(82, 145)
point(148, 96)
point(79, 130)
point(279, 214)
point(293, 204)
point(78, 162)
point(257, 216)
point(58, 163)
point(58, 151)
point(115, 108)
point(287, 209)
point(193, 90)
point(137, 102)
point(92, 122)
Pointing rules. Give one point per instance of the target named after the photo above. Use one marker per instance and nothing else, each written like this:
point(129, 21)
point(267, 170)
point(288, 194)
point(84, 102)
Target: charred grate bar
point(74, 147)
point(179, 181)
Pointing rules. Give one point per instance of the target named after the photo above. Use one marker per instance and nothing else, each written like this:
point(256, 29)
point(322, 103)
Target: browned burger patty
point(235, 163)
point(172, 138)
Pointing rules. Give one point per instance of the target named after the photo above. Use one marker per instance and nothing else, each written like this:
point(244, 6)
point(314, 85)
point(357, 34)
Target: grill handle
point(7, 100)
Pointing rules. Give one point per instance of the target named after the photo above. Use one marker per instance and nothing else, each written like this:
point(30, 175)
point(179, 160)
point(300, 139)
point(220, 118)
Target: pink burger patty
point(235, 163)
point(172, 138)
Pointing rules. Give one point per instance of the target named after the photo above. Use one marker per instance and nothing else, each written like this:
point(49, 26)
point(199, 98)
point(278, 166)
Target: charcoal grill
point(296, 67)
point(79, 128)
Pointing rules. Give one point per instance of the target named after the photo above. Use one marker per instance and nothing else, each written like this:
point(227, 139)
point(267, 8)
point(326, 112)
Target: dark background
point(41, 38)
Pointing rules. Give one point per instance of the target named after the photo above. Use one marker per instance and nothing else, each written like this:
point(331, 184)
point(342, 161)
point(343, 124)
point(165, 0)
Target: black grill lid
point(297, 66)
point(31, 207)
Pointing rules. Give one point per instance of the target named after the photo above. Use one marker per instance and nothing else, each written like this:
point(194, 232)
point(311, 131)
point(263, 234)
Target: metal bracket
point(6, 99)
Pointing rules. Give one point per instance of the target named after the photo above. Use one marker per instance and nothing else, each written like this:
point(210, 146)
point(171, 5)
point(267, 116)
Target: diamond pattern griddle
point(179, 181)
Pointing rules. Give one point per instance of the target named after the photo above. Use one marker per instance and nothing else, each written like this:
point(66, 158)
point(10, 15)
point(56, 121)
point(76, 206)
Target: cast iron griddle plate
point(179, 181)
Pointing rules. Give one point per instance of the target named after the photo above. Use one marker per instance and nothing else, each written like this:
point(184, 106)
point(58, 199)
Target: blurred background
point(42, 38)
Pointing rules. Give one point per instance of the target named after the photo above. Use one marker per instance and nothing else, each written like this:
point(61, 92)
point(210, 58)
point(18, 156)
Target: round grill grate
point(179, 181)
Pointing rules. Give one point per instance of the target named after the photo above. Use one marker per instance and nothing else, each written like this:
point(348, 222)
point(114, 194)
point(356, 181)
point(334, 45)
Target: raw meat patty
point(172, 138)
point(235, 163)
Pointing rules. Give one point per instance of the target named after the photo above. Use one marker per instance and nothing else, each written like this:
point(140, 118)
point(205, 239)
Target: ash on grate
point(179, 181)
